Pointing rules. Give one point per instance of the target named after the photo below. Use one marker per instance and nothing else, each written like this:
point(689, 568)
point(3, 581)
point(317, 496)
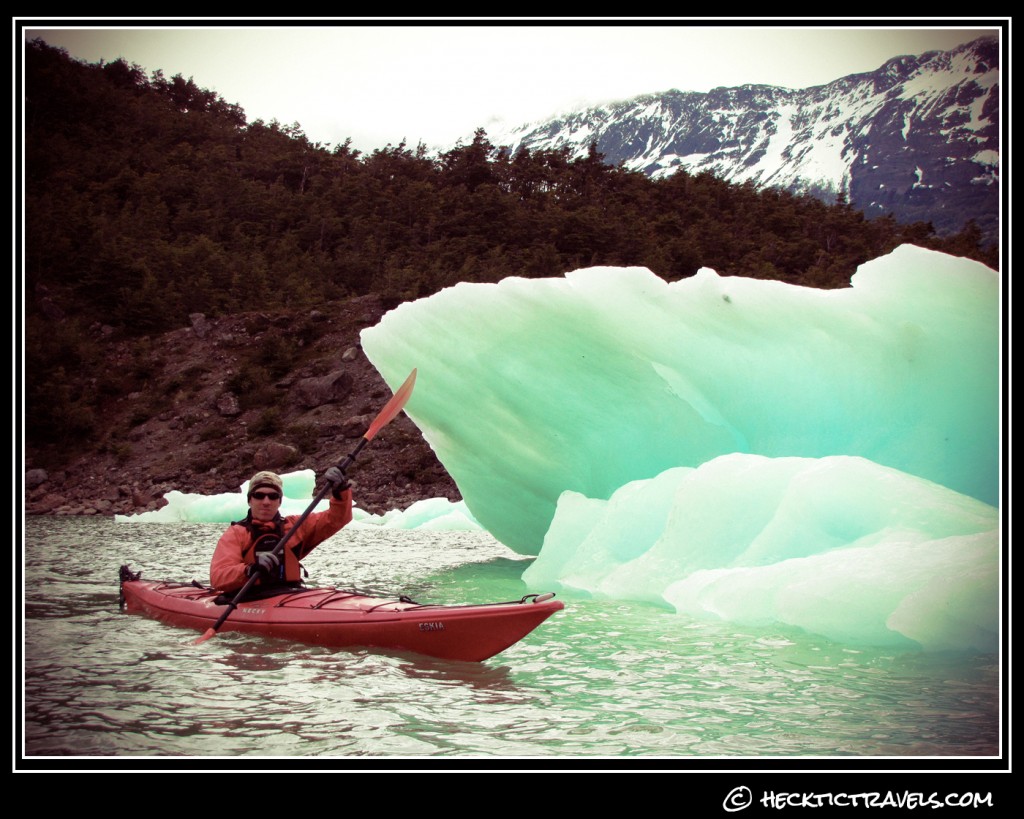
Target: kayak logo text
point(433, 626)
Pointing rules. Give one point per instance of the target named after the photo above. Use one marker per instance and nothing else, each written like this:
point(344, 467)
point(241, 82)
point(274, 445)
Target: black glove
point(335, 476)
point(267, 564)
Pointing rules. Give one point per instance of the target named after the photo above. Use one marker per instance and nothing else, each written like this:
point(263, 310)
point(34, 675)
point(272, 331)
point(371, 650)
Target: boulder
point(227, 404)
point(328, 389)
point(273, 455)
point(47, 504)
point(356, 426)
point(200, 326)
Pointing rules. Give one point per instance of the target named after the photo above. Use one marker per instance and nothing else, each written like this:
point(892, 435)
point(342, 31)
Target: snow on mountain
point(917, 138)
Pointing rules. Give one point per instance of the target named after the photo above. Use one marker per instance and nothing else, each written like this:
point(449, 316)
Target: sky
point(436, 82)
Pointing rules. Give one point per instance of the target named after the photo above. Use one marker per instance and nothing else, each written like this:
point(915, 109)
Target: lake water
point(602, 679)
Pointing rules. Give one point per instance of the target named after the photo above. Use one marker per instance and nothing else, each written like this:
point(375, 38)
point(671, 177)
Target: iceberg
point(184, 507)
point(730, 447)
point(432, 514)
point(528, 388)
point(436, 514)
point(838, 546)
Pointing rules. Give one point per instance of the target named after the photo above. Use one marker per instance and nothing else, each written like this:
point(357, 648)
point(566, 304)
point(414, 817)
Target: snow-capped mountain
point(917, 138)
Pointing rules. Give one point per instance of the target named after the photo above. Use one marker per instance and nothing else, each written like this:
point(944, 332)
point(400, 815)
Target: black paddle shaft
point(279, 549)
point(391, 409)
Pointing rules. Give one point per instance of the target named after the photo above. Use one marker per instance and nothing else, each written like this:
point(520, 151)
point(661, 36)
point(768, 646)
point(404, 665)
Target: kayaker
point(246, 548)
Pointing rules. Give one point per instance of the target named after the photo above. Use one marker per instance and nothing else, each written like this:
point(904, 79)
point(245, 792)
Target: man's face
point(264, 503)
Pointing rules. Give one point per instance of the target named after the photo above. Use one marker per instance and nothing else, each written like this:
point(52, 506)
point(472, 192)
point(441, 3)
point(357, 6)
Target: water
point(602, 679)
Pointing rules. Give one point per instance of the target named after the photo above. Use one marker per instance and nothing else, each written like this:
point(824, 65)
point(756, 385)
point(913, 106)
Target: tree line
point(147, 199)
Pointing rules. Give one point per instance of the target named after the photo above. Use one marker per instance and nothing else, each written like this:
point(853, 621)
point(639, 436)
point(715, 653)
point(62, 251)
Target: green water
point(603, 679)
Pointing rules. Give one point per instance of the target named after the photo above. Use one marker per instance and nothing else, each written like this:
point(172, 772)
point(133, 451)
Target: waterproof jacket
point(235, 549)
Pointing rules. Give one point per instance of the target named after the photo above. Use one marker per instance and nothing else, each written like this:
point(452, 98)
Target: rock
point(34, 477)
point(351, 354)
point(46, 505)
point(329, 389)
point(356, 426)
point(227, 404)
point(200, 326)
point(274, 454)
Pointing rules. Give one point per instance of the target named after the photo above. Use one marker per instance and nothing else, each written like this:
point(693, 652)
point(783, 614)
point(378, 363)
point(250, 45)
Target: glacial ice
point(839, 546)
point(437, 514)
point(732, 447)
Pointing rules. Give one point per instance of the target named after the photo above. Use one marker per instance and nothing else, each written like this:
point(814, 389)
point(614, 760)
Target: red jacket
point(234, 549)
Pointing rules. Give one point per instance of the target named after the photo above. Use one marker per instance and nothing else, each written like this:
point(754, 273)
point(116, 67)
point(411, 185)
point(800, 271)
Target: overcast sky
point(437, 82)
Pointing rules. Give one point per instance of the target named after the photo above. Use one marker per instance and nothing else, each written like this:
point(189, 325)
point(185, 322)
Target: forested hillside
point(148, 199)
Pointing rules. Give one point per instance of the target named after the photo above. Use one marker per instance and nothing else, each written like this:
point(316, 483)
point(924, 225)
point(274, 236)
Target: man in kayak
point(247, 547)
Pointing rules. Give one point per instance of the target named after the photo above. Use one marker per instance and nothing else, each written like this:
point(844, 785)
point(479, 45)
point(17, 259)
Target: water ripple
point(601, 679)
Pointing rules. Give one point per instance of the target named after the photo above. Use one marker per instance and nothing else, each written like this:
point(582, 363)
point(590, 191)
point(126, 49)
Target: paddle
point(386, 415)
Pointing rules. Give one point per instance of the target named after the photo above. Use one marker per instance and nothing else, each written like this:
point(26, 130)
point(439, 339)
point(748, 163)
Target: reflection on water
point(600, 679)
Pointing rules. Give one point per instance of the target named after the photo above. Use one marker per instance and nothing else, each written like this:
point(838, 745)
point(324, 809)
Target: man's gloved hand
point(335, 476)
point(267, 564)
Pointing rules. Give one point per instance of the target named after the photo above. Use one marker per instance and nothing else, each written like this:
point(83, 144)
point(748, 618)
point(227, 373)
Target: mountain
point(917, 138)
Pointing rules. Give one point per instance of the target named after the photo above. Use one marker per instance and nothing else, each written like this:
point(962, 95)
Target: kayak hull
point(343, 619)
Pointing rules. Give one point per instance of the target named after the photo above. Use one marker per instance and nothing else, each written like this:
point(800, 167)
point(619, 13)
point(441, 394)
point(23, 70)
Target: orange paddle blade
point(393, 407)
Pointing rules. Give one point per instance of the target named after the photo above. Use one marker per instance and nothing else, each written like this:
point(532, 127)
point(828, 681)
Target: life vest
point(264, 537)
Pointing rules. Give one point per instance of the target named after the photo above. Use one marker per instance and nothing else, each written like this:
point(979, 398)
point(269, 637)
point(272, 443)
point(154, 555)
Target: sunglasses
point(265, 495)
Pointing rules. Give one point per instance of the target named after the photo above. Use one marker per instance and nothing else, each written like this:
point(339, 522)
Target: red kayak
point(340, 619)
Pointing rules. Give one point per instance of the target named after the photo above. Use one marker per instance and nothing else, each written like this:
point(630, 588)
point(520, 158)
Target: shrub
point(214, 431)
point(252, 384)
point(268, 423)
point(303, 436)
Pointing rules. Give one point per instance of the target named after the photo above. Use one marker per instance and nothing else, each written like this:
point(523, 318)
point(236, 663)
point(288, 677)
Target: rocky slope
point(197, 423)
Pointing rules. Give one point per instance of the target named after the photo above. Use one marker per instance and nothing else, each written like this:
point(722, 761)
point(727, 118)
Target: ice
point(528, 388)
point(839, 546)
point(731, 447)
point(438, 514)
